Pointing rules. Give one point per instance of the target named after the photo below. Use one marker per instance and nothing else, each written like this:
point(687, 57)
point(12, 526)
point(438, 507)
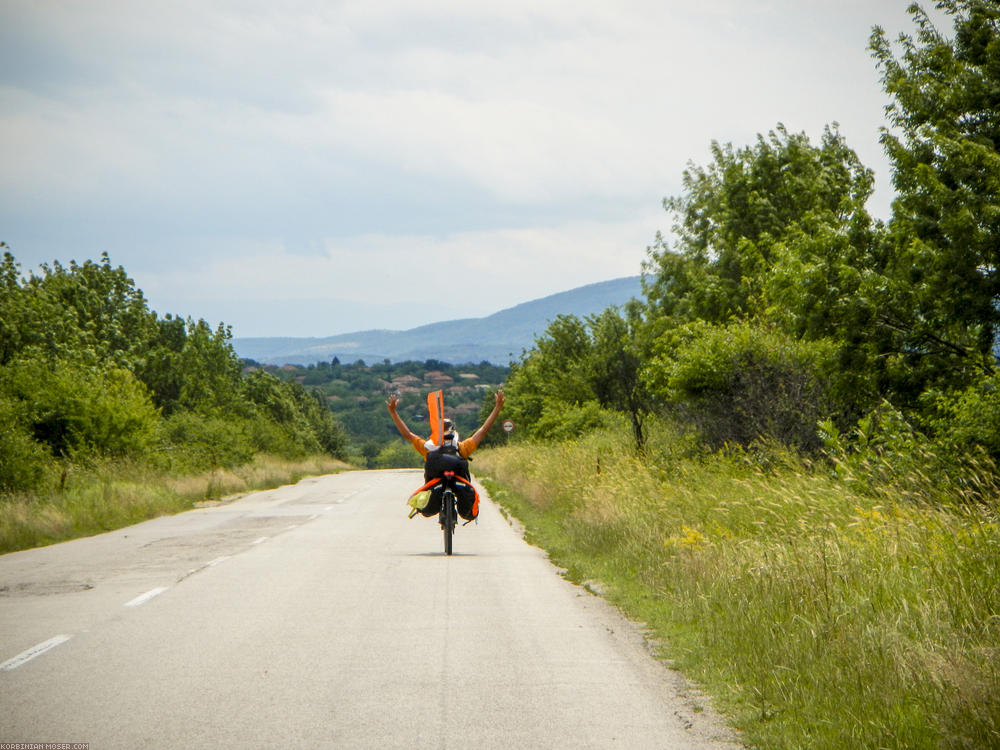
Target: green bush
point(222, 439)
point(887, 457)
point(561, 421)
point(273, 396)
point(203, 441)
point(970, 419)
point(72, 409)
point(24, 463)
point(739, 383)
point(266, 436)
point(398, 455)
point(307, 424)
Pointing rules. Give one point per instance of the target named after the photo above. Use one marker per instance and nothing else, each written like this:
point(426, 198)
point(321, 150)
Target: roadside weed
point(820, 614)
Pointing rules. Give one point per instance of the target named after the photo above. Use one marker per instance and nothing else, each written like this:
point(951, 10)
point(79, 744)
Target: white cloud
point(563, 100)
point(528, 142)
point(463, 274)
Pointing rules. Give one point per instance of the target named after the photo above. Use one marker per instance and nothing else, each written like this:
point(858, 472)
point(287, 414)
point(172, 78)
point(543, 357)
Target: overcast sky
point(307, 168)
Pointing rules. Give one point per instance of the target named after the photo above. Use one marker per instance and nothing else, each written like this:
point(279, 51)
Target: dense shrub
point(303, 416)
point(71, 409)
point(738, 383)
point(88, 372)
point(203, 441)
point(970, 418)
point(25, 461)
point(564, 421)
point(398, 455)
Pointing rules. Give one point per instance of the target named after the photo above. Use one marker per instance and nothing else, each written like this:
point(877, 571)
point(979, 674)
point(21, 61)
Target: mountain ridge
point(498, 338)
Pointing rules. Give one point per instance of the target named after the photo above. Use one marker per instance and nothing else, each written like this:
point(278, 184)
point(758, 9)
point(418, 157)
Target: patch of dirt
point(44, 588)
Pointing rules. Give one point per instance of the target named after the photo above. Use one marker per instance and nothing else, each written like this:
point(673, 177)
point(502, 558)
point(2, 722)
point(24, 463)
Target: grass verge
point(817, 616)
point(113, 495)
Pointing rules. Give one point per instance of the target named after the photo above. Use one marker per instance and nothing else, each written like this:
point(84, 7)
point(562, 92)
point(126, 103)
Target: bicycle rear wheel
point(448, 519)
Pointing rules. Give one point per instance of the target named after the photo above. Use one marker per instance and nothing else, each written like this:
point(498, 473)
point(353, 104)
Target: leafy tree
point(303, 415)
point(14, 316)
point(825, 284)
point(496, 435)
point(34, 321)
point(942, 297)
point(160, 366)
point(615, 364)
point(398, 455)
point(111, 312)
point(549, 372)
point(320, 421)
point(776, 236)
point(91, 312)
point(555, 370)
point(369, 452)
point(87, 369)
point(970, 418)
point(576, 369)
point(733, 213)
point(274, 397)
point(212, 372)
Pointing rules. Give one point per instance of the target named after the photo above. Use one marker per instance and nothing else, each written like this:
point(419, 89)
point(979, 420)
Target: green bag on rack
point(418, 501)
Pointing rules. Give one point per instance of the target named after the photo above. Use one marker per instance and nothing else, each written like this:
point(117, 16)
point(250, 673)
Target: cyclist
point(451, 455)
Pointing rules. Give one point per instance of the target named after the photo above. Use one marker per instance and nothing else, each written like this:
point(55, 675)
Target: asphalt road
point(319, 616)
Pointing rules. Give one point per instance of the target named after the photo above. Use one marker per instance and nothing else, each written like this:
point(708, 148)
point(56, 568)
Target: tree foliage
point(356, 393)
point(577, 369)
point(942, 291)
point(88, 370)
point(738, 383)
point(776, 302)
point(735, 214)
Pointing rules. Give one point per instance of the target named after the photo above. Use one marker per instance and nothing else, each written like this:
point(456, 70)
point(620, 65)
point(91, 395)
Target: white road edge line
point(31, 653)
point(143, 598)
point(259, 541)
point(216, 561)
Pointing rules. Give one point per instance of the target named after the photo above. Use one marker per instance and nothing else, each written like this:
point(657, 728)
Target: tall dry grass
point(116, 494)
point(820, 616)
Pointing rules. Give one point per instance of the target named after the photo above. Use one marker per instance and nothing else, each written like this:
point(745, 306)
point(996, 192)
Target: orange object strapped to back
point(435, 413)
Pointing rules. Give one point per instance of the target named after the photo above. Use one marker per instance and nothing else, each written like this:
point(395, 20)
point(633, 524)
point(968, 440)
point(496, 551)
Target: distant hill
point(498, 338)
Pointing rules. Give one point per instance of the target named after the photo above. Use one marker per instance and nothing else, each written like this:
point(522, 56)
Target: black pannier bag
point(439, 461)
point(444, 459)
point(464, 494)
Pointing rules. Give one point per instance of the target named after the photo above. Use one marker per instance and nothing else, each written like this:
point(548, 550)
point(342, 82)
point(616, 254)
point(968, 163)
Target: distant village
point(356, 392)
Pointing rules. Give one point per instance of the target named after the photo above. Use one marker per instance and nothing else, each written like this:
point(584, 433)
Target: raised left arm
point(481, 432)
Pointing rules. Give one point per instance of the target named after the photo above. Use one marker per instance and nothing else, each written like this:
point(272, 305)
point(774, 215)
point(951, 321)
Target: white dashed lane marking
point(143, 598)
point(25, 656)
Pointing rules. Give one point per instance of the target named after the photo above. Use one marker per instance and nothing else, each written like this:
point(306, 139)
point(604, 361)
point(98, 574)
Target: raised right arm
point(392, 404)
